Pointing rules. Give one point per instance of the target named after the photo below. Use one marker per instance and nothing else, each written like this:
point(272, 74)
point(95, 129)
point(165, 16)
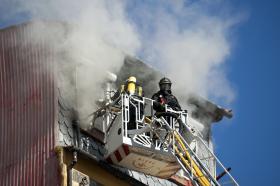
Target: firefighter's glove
point(158, 106)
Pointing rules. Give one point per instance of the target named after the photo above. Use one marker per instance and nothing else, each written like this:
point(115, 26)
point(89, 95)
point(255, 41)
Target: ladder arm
point(188, 161)
point(192, 167)
point(197, 166)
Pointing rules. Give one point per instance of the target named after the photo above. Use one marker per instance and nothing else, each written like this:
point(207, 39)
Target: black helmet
point(165, 85)
point(164, 81)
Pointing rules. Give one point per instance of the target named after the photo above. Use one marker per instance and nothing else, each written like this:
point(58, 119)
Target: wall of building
point(27, 110)
point(93, 170)
point(31, 121)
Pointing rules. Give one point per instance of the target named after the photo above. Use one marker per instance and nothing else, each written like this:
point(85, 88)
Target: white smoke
point(183, 39)
point(190, 44)
point(91, 33)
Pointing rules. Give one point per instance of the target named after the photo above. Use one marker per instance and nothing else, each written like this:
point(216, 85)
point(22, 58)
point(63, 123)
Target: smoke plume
point(187, 40)
point(190, 44)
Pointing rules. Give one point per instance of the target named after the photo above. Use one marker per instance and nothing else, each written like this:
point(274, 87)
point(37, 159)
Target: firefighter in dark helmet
point(164, 96)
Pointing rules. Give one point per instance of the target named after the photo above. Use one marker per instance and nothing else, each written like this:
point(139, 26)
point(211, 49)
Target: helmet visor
point(165, 87)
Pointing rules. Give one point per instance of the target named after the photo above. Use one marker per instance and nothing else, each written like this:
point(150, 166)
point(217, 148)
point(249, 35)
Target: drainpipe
point(77, 144)
point(69, 168)
point(77, 131)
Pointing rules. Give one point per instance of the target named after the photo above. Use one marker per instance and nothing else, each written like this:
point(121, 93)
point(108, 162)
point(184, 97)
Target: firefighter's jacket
point(161, 98)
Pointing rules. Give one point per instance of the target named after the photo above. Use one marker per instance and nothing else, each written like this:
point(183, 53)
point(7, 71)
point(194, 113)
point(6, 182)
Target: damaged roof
point(204, 108)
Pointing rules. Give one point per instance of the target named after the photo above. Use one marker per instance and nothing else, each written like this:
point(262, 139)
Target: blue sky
point(248, 143)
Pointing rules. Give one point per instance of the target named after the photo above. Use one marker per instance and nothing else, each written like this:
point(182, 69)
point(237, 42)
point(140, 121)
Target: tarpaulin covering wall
point(27, 109)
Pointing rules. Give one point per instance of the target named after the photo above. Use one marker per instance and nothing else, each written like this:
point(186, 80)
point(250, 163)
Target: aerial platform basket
point(131, 143)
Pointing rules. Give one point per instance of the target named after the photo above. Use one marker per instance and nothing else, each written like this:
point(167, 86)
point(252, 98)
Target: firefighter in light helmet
point(133, 88)
point(164, 96)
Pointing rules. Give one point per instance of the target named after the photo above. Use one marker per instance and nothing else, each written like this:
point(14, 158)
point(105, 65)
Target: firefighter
point(164, 96)
point(133, 88)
